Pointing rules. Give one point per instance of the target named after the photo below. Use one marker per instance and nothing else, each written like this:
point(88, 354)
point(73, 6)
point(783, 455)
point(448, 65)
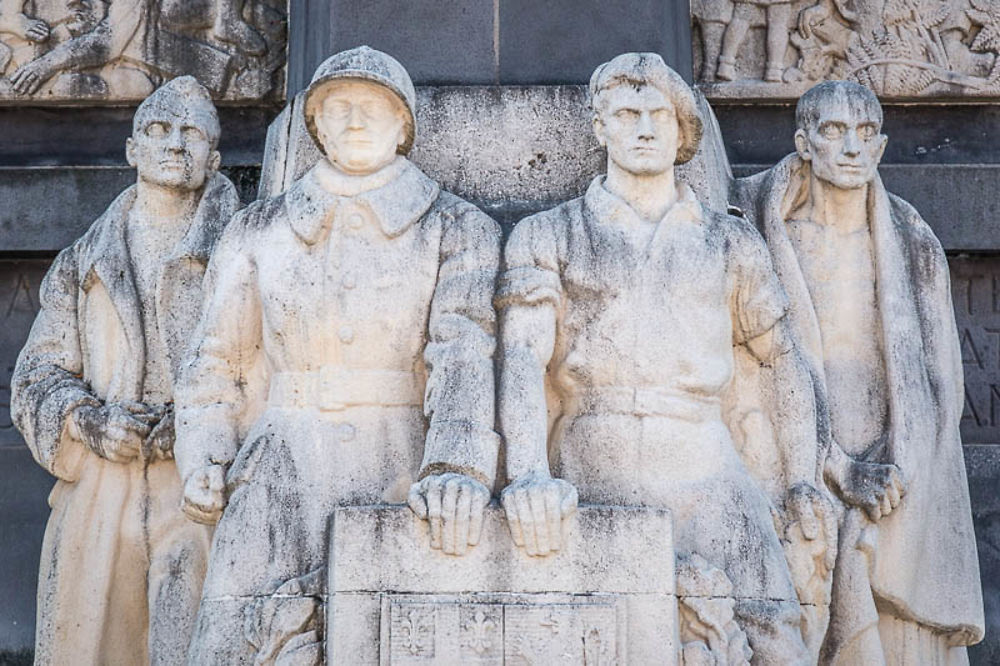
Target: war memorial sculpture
point(682, 418)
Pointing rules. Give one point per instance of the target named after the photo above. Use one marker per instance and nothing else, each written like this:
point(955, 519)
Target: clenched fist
point(205, 494)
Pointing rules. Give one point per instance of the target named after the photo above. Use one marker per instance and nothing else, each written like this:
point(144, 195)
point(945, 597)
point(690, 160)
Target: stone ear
point(802, 145)
point(214, 160)
point(129, 148)
point(598, 126)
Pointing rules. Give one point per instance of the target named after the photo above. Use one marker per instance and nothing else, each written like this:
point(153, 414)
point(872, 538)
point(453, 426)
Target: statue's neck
point(158, 202)
point(843, 210)
point(650, 196)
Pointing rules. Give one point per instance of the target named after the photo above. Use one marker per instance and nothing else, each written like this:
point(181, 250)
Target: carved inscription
point(117, 50)
point(898, 48)
point(516, 632)
point(975, 283)
point(19, 281)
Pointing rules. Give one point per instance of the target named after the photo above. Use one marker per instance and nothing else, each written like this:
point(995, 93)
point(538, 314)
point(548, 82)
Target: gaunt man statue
point(344, 357)
point(871, 310)
point(625, 305)
point(93, 395)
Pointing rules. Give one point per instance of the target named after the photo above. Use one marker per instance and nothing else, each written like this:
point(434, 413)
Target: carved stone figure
point(620, 313)
point(93, 392)
point(348, 330)
point(871, 309)
point(899, 48)
point(66, 50)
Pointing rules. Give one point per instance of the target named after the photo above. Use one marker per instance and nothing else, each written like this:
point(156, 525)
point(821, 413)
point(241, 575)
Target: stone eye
point(156, 130)
point(831, 131)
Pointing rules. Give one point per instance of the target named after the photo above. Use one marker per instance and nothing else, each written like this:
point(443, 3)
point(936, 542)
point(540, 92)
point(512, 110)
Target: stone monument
point(98, 50)
point(344, 358)
point(633, 298)
point(753, 49)
point(871, 310)
point(93, 392)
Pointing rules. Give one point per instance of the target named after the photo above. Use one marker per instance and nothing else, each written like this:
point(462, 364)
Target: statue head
point(644, 114)
point(175, 134)
point(840, 133)
point(84, 16)
point(359, 109)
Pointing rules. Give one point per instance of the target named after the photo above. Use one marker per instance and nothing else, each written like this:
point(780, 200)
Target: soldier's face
point(171, 150)
point(360, 126)
point(639, 128)
point(845, 146)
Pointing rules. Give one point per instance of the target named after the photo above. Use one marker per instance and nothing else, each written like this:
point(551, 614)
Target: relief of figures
point(898, 48)
point(120, 50)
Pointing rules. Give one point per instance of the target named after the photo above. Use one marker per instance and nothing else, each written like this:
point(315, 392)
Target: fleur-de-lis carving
point(480, 631)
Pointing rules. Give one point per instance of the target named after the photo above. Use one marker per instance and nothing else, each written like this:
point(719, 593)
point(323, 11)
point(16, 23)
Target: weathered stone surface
point(757, 49)
point(975, 286)
point(34, 221)
point(983, 464)
point(359, 369)
point(439, 41)
point(19, 282)
point(562, 41)
point(624, 314)
point(609, 593)
point(512, 150)
point(873, 316)
point(92, 393)
point(92, 51)
point(23, 510)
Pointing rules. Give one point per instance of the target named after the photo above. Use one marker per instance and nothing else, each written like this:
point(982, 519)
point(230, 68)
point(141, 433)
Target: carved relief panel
point(488, 630)
point(760, 49)
point(72, 51)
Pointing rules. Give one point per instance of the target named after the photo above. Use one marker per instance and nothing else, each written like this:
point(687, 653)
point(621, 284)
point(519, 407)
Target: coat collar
point(397, 196)
point(609, 209)
point(107, 243)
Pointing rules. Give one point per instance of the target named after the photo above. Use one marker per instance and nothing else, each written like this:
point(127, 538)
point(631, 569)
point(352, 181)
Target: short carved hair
point(642, 69)
point(810, 106)
point(183, 94)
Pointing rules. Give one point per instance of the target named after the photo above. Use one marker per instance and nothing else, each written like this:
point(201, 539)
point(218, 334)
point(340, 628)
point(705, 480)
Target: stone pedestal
point(607, 597)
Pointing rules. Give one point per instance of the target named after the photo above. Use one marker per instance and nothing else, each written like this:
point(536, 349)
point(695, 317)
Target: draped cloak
point(924, 565)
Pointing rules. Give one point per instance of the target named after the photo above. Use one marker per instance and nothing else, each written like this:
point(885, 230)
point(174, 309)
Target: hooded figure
point(871, 310)
point(344, 358)
point(121, 567)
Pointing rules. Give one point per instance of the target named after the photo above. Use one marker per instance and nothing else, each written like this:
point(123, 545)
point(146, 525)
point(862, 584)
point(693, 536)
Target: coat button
point(346, 334)
point(348, 282)
point(355, 221)
point(346, 432)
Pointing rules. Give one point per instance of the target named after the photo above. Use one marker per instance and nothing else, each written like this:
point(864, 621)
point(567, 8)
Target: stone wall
point(55, 179)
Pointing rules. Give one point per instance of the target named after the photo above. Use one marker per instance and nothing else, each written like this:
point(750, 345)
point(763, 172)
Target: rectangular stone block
point(24, 487)
point(563, 41)
point(606, 597)
point(983, 465)
point(975, 285)
point(19, 282)
point(438, 41)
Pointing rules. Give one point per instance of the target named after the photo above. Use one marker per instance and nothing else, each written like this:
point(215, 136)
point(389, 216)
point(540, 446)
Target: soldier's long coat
point(114, 527)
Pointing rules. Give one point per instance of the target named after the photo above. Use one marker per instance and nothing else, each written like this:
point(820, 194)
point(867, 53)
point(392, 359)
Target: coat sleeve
point(217, 381)
point(459, 399)
point(47, 384)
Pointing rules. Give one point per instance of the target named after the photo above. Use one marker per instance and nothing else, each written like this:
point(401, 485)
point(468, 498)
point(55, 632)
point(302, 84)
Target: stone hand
point(205, 494)
point(812, 512)
point(537, 508)
point(453, 504)
point(159, 444)
point(874, 487)
point(29, 77)
point(115, 431)
point(25, 27)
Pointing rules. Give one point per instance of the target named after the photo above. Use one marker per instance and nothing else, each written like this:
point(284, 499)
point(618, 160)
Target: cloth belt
point(335, 388)
point(647, 401)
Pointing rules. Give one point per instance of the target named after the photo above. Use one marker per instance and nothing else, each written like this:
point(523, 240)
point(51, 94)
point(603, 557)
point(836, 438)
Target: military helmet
point(367, 64)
